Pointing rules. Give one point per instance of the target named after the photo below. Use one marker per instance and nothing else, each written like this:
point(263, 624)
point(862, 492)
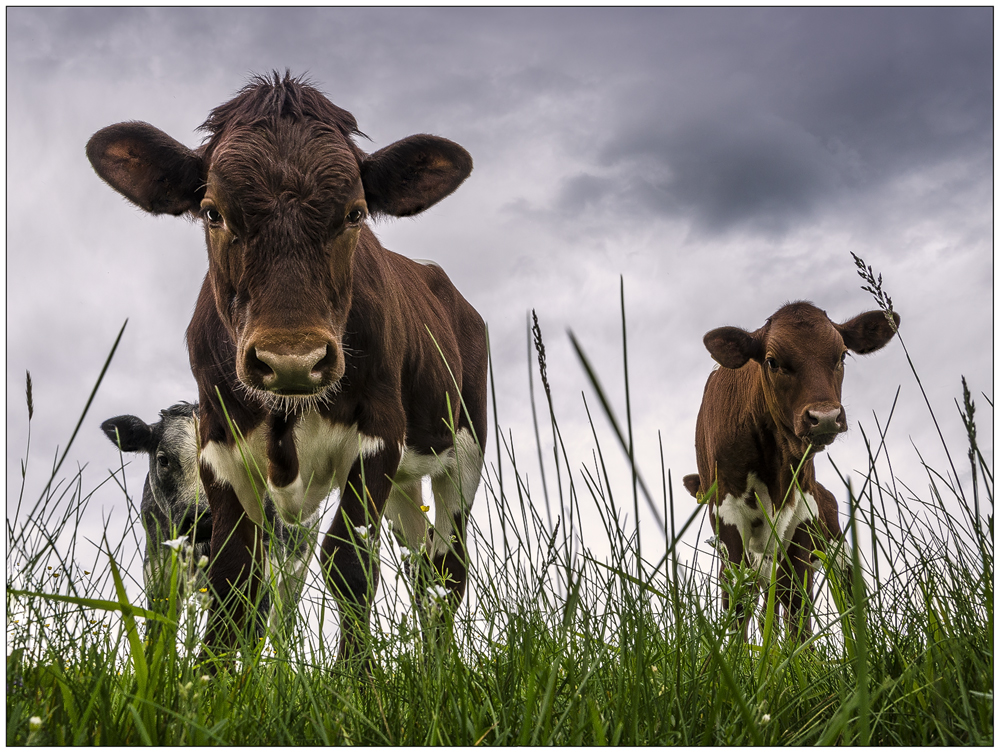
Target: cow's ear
point(411, 175)
point(130, 433)
point(732, 347)
point(692, 482)
point(868, 332)
point(147, 167)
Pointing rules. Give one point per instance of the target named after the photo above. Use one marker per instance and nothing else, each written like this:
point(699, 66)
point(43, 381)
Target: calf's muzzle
point(822, 424)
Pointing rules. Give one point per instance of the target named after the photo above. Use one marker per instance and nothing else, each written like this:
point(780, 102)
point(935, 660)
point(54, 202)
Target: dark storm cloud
point(775, 125)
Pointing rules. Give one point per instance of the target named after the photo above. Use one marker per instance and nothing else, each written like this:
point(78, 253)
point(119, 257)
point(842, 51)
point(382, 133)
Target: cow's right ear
point(130, 433)
point(732, 347)
point(413, 174)
point(147, 167)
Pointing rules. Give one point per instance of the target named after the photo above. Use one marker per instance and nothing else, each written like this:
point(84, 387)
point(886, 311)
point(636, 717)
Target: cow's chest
point(325, 452)
point(760, 525)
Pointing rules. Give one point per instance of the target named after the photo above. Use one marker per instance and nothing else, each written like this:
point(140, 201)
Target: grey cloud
point(785, 123)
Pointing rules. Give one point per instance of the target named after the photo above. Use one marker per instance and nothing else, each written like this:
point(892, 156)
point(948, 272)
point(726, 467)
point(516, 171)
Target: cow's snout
point(293, 370)
point(823, 424)
point(198, 522)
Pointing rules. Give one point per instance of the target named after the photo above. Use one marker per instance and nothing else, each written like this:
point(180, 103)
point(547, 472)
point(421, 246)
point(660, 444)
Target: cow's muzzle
point(197, 524)
point(821, 425)
point(297, 370)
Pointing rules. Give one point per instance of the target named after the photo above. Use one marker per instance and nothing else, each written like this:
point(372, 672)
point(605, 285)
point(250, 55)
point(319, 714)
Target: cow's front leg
point(794, 585)
point(234, 576)
point(733, 558)
point(349, 555)
point(830, 539)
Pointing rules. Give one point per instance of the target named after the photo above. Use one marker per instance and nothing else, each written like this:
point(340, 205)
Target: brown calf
point(339, 363)
point(776, 398)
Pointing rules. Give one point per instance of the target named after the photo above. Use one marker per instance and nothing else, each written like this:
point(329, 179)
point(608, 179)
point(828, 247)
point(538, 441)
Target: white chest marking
point(760, 527)
point(326, 453)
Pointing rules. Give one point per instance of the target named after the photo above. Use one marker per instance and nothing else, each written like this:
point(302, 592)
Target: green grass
point(556, 646)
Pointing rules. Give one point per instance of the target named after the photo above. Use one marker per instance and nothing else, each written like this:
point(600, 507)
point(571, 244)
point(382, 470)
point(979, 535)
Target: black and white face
point(174, 480)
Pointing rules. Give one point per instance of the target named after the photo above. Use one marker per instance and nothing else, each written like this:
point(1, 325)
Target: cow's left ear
point(413, 174)
point(732, 347)
point(868, 332)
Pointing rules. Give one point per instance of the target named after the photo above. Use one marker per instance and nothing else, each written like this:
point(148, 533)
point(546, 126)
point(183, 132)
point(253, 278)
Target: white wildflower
point(362, 532)
point(35, 723)
point(438, 592)
point(177, 543)
point(203, 562)
point(765, 719)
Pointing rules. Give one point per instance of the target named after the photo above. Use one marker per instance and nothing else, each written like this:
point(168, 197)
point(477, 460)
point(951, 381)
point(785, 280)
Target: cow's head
point(799, 357)
point(284, 194)
point(173, 479)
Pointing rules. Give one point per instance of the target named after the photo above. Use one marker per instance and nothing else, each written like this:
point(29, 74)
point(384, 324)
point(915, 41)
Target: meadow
point(557, 645)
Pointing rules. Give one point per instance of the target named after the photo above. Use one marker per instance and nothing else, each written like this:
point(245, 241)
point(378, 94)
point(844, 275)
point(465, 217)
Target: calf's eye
point(355, 216)
point(213, 215)
point(163, 461)
point(771, 363)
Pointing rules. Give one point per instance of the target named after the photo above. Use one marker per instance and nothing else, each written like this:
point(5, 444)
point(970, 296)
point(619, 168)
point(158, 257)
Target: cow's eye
point(772, 363)
point(355, 216)
point(213, 215)
point(162, 461)
point(843, 358)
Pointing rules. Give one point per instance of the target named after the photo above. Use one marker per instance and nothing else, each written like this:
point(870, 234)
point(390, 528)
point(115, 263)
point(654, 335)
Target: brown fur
point(776, 394)
point(303, 310)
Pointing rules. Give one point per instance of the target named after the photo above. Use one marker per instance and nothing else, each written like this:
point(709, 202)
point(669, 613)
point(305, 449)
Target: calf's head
point(798, 358)
point(173, 479)
point(284, 194)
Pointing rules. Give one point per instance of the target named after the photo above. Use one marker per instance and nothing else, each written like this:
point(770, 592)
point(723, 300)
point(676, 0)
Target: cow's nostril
point(327, 363)
point(258, 368)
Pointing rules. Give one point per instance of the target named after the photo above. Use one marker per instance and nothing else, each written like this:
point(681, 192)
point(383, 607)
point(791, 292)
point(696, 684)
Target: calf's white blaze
point(179, 438)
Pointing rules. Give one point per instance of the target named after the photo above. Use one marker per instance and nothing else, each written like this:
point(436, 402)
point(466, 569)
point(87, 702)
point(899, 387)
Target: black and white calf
point(175, 515)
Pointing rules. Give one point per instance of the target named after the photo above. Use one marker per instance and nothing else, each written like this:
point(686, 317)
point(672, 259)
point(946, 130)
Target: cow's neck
point(778, 452)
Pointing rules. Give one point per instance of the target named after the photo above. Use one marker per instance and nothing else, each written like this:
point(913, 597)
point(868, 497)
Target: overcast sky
point(720, 161)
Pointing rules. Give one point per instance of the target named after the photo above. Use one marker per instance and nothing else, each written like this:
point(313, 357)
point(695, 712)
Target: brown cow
point(339, 363)
point(774, 401)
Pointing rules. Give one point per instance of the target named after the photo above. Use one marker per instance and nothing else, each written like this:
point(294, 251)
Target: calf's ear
point(868, 332)
point(732, 347)
point(130, 433)
point(413, 174)
point(147, 167)
point(692, 482)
